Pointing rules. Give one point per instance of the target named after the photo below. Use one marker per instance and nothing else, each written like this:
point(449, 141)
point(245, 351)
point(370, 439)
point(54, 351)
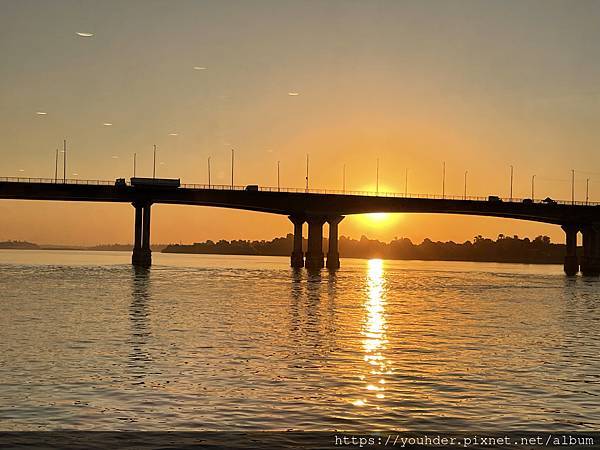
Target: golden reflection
point(374, 332)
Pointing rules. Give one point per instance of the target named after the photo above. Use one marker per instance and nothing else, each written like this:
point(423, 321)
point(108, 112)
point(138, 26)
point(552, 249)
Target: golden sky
point(481, 85)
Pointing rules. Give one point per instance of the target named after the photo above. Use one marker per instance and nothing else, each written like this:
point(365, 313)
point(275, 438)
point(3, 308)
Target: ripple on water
point(246, 343)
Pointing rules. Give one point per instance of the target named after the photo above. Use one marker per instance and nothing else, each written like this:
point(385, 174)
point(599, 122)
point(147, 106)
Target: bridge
point(317, 207)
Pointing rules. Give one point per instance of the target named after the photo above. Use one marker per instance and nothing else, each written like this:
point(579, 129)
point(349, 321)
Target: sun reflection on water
point(374, 332)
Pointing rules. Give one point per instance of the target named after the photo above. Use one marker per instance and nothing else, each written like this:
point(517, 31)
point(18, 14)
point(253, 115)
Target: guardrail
point(58, 181)
point(228, 187)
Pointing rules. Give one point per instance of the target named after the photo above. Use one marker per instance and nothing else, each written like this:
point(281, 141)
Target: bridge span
point(316, 207)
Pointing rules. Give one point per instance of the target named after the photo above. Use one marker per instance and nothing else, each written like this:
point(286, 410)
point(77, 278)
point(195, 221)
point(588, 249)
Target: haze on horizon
point(479, 85)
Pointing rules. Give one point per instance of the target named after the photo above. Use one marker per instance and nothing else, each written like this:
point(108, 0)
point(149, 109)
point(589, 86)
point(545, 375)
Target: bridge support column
point(590, 262)
point(571, 265)
point(142, 255)
point(315, 259)
point(333, 255)
point(297, 258)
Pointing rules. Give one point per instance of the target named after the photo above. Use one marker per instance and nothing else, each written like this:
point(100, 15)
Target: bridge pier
point(315, 259)
point(333, 255)
point(297, 258)
point(571, 265)
point(142, 255)
point(590, 262)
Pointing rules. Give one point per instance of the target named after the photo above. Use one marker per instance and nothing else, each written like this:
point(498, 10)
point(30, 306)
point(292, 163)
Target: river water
point(202, 342)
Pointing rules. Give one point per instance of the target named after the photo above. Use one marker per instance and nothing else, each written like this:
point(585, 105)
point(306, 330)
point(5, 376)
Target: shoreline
point(496, 261)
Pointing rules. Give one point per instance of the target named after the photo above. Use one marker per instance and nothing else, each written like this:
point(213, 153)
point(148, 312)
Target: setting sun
point(378, 217)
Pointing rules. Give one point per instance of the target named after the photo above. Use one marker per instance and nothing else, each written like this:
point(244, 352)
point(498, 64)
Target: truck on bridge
point(151, 182)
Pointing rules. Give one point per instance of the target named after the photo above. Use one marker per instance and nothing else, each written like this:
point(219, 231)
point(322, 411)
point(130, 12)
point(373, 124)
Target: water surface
point(202, 342)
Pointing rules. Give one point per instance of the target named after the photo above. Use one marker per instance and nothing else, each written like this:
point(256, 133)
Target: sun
point(378, 217)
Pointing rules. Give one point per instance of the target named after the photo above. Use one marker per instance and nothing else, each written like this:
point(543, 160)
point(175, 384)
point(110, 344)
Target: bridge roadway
point(316, 208)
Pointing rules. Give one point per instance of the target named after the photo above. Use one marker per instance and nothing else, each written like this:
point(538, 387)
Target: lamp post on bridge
point(232, 164)
point(465, 192)
point(278, 184)
point(209, 172)
point(377, 178)
point(444, 179)
point(64, 161)
point(406, 182)
point(307, 172)
point(511, 182)
point(154, 163)
point(587, 190)
point(56, 167)
point(533, 188)
point(572, 186)
point(344, 179)
point(134, 163)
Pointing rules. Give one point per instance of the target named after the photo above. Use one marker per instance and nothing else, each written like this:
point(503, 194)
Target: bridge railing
point(228, 187)
point(57, 181)
point(378, 194)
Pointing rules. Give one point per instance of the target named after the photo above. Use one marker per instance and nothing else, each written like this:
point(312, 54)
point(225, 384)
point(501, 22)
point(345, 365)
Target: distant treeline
point(21, 245)
point(504, 249)
point(24, 245)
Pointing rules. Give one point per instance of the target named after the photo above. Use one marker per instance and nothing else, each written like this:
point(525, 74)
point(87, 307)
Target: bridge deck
point(296, 201)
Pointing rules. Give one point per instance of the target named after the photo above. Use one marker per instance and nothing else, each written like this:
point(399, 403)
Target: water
point(242, 343)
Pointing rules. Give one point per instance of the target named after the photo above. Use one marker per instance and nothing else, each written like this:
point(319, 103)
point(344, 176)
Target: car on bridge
point(494, 198)
point(549, 201)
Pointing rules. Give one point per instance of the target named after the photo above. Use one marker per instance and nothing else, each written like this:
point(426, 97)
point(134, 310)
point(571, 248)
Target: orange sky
point(480, 85)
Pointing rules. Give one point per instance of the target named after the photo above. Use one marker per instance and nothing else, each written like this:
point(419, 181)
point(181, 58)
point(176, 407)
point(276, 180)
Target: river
point(206, 342)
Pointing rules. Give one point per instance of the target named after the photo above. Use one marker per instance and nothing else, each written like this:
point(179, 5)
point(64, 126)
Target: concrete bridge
point(316, 208)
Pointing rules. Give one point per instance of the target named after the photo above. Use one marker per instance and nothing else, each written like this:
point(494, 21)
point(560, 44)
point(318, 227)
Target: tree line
point(503, 249)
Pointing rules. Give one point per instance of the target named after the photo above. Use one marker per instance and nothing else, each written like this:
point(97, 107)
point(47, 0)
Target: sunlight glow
point(378, 217)
point(374, 328)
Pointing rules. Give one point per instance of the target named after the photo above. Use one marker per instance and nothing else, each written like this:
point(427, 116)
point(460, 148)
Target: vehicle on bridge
point(494, 198)
point(156, 182)
point(120, 182)
point(252, 187)
point(549, 201)
point(527, 201)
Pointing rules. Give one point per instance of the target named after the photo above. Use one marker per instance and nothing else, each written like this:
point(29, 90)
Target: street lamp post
point(406, 182)
point(56, 167)
point(64, 161)
point(154, 163)
point(533, 188)
point(278, 185)
point(511, 182)
point(444, 179)
point(232, 164)
point(307, 172)
point(209, 172)
point(587, 190)
point(134, 163)
point(344, 179)
point(377, 178)
point(572, 187)
point(465, 192)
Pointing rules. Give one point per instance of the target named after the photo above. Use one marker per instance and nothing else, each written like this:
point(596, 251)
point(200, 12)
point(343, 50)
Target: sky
point(480, 85)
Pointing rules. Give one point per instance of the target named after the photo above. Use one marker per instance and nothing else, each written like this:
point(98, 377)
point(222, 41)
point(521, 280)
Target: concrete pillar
point(137, 244)
point(333, 255)
point(571, 265)
point(590, 262)
point(142, 255)
point(146, 228)
point(297, 258)
point(315, 259)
